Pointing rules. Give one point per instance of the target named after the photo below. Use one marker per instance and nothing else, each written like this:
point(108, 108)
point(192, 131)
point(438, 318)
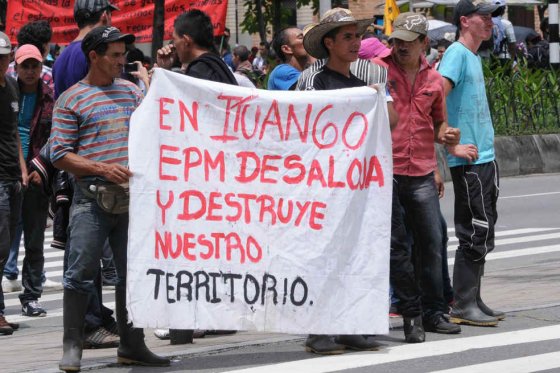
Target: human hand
point(35, 178)
point(166, 56)
point(466, 151)
point(440, 185)
point(116, 173)
point(451, 136)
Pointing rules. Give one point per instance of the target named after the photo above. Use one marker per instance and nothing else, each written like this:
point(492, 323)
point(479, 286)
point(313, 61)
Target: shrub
point(522, 100)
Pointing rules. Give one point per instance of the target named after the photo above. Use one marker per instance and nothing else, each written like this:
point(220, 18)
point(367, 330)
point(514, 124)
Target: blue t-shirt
point(467, 104)
point(283, 77)
point(26, 109)
point(69, 68)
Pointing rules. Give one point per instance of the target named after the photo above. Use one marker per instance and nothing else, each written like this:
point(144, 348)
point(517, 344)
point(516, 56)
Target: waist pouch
point(111, 198)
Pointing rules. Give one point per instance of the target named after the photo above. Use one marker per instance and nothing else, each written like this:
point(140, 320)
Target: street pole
point(236, 23)
point(553, 33)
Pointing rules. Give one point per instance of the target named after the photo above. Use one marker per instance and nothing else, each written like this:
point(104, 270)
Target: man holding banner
point(337, 37)
point(90, 140)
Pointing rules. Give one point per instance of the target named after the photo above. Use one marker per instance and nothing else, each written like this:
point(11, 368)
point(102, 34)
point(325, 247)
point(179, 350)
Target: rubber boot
point(357, 342)
point(466, 284)
point(323, 345)
point(74, 312)
point(483, 307)
point(413, 329)
point(132, 348)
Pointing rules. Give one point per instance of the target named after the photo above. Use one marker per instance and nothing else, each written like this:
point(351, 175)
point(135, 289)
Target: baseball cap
point(500, 3)
point(409, 26)
point(468, 7)
point(94, 6)
point(26, 52)
point(5, 45)
point(104, 35)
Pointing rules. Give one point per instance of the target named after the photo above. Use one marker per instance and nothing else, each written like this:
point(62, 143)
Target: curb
point(518, 155)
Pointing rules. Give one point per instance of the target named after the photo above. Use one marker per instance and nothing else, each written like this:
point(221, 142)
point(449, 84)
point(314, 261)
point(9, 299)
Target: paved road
point(522, 278)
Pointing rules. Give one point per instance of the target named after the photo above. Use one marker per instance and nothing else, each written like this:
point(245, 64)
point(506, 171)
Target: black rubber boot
point(466, 284)
point(357, 342)
point(413, 329)
point(483, 307)
point(74, 312)
point(132, 348)
point(323, 345)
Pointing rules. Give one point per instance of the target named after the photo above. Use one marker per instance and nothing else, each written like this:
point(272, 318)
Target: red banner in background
point(134, 17)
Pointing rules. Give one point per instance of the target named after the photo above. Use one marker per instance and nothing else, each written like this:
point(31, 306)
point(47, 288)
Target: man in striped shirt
point(90, 141)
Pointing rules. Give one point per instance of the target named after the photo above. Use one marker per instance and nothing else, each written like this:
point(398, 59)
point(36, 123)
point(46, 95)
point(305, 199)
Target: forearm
point(80, 166)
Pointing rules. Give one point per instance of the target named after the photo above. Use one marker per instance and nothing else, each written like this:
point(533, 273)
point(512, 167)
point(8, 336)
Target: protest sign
point(133, 17)
point(259, 210)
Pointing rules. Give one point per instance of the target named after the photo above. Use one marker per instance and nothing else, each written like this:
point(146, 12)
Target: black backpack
point(538, 55)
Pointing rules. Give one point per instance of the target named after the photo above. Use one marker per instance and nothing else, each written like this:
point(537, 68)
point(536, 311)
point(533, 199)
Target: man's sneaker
point(101, 338)
point(50, 285)
point(33, 309)
point(162, 333)
point(440, 324)
point(5, 327)
point(10, 286)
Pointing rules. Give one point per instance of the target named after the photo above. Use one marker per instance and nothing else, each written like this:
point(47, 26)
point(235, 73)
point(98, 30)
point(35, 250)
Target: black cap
point(468, 7)
point(93, 6)
point(104, 35)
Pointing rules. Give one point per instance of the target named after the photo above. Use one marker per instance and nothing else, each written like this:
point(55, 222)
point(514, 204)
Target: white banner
point(259, 210)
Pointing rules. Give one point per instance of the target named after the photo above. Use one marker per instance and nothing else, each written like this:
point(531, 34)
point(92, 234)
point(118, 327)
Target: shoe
point(5, 327)
point(50, 285)
point(112, 327)
point(199, 333)
point(101, 338)
point(357, 342)
point(439, 324)
point(323, 345)
point(162, 334)
point(393, 311)
point(33, 309)
point(414, 330)
point(11, 286)
point(220, 332)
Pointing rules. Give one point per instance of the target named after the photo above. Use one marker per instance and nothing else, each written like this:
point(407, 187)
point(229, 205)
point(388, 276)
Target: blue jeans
point(89, 229)
point(10, 209)
point(33, 222)
point(417, 196)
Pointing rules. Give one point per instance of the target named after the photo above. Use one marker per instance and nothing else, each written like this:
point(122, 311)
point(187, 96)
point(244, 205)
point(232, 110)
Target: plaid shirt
point(46, 74)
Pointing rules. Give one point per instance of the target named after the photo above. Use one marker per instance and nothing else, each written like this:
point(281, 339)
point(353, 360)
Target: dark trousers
point(10, 209)
point(476, 190)
point(415, 199)
point(34, 220)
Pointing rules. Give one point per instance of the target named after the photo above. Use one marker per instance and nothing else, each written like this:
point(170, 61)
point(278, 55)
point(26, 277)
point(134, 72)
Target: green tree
point(263, 16)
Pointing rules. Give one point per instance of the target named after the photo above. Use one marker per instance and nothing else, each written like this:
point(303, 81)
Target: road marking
point(516, 253)
point(409, 351)
point(532, 363)
point(46, 298)
point(530, 195)
point(50, 314)
point(515, 240)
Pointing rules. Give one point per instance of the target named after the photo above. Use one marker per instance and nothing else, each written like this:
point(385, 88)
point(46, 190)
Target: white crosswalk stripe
point(511, 243)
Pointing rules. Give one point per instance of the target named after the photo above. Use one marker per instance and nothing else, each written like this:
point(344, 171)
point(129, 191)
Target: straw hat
point(332, 19)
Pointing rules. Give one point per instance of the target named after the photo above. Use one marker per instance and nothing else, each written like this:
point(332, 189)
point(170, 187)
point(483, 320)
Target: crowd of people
point(64, 145)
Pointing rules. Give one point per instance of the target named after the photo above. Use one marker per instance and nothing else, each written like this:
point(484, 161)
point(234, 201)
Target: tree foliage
point(268, 16)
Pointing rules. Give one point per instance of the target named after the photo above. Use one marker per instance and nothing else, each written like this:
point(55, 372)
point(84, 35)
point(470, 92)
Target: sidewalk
point(37, 345)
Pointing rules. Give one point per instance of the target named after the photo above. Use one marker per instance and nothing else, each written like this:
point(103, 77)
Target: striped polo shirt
point(92, 121)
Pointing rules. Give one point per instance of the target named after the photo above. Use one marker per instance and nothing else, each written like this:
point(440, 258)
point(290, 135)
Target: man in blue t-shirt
point(288, 45)
point(472, 162)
